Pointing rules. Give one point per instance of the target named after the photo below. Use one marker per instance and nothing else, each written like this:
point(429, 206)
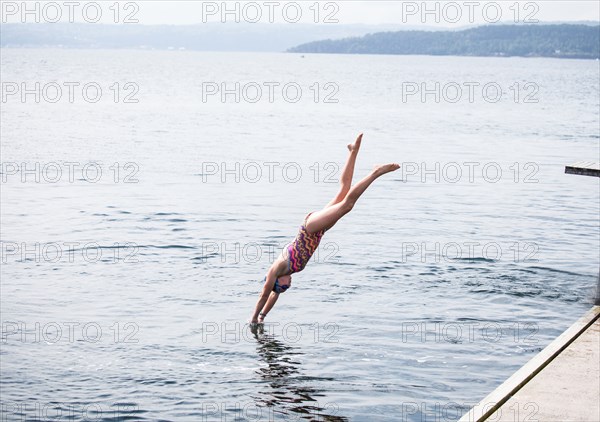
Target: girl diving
point(296, 255)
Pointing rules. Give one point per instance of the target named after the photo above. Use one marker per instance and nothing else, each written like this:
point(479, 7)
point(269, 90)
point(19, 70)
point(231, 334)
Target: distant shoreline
point(571, 41)
point(52, 47)
point(565, 41)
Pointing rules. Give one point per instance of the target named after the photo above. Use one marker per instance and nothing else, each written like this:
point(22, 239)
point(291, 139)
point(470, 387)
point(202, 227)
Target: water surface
point(388, 322)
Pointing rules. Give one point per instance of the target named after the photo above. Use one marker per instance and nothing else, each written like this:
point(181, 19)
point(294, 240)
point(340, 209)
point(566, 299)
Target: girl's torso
point(299, 252)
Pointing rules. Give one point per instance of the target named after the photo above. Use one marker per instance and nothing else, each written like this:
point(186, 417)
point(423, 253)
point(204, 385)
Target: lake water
point(135, 234)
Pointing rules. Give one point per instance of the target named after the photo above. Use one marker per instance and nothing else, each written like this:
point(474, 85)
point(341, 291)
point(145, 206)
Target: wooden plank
point(568, 389)
point(506, 390)
point(584, 168)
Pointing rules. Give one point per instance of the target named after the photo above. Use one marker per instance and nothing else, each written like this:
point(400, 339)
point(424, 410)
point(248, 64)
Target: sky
point(443, 13)
point(409, 13)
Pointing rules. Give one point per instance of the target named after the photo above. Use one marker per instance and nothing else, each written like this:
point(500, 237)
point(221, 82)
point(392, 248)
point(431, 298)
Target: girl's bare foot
point(356, 145)
point(382, 169)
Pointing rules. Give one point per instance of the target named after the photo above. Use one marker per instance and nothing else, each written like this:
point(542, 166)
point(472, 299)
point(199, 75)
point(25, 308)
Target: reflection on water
point(288, 394)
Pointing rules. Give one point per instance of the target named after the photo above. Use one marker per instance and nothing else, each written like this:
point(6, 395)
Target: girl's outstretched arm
point(272, 274)
point(268, 306)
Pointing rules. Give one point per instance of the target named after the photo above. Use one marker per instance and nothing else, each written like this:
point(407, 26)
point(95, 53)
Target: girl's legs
point(348, 172)
point(327, 217)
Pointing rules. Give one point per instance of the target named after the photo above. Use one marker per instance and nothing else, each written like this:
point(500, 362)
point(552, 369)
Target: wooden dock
point(584, 168)
point(561, 383)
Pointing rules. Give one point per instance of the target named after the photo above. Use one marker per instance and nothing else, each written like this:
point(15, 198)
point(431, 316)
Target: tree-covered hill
point(565, 41)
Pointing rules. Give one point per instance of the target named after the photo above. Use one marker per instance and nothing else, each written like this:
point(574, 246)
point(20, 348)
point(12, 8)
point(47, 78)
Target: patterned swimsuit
point(302, 248)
